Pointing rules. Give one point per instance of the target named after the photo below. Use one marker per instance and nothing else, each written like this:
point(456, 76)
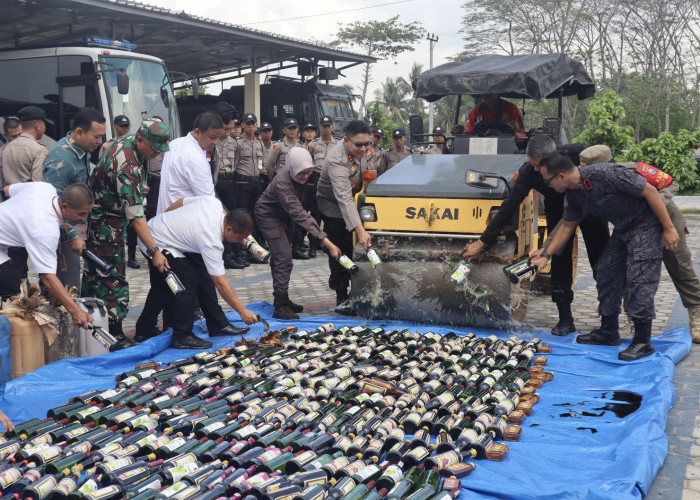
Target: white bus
point(61, 80)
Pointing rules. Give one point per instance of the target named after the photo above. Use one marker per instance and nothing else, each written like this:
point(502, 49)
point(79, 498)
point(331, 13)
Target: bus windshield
point(150, 92)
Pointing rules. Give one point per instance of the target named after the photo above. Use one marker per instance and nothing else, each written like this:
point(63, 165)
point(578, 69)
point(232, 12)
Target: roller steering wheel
point(493, 128)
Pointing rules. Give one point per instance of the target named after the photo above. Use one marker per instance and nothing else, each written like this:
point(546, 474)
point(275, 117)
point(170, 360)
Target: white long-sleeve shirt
point(185, 172)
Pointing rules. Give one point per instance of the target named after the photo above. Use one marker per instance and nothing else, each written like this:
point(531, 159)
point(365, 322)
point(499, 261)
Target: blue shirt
point(66, 164)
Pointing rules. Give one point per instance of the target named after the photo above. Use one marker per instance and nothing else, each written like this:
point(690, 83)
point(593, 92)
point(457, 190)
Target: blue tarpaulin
point(597, 432)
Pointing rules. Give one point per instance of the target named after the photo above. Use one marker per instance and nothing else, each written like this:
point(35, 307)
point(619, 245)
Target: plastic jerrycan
point(87, 344)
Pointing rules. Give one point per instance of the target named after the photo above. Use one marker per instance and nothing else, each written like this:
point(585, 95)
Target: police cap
point(309, 126)
point(378, 132)
point(290, 123)
point(398, 132)
point(31, 113)
point(122, 121)
point(249, 117)
point(265, 126)
point(326, 120)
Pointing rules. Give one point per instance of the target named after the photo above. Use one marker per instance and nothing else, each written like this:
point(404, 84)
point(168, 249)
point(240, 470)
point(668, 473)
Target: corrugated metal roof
point(192, 44)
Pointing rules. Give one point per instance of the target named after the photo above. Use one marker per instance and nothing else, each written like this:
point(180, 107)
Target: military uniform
point(277, 157)
point(23, 160)
point(392, 157)
point(117, 184)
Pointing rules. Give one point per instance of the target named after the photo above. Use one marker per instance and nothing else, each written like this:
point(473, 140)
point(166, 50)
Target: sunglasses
point(362, 144)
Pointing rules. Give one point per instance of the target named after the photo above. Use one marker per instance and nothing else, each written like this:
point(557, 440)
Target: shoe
point(122, 343)
point(133, 264)
point(297, 308)
point(142, 336)
point(564, 327)
point(636, 350)
point(190, 342)
point(694, 320)
point(198, 313)
point(345, 308)
point(312, 252)
point(234, 264)
point(284, 312)
point(600, 337)
point(298, 253)
point(282, 306)
point(229, 330)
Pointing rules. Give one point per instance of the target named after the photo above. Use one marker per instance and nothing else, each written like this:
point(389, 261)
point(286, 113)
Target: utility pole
point(433, 38)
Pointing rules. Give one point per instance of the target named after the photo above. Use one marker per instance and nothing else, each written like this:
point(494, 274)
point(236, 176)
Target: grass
point(690, 211)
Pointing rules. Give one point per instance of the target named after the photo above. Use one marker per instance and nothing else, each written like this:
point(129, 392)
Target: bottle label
point(373, 257)
point(461, 272)
point(171, 490)
point(394, 473)
point(345, 261)
point(75, 433)
point(48, 454)
point(355, 467)
point(131, 473)
point(88, 486)
point(337, 464)
point(182, 470)
point(83, 447)
point(269, 455)
point(175, 443)
point(89, 411)
point(368, 472)
point(111, 447)
point(446, 459)
point(45, 485)
point(9, 450)
point(117, 464)
point(304, 457)
point(8, 477)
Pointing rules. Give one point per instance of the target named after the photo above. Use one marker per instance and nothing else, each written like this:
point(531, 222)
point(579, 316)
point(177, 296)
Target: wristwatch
point(151, 251)
point(545, 255)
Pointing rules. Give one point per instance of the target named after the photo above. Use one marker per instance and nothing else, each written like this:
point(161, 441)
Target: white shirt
point(185, 172)
point(28, 220)
point(196, 227)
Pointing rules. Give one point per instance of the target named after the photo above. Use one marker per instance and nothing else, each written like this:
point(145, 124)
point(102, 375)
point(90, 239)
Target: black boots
point(343, 305)
point(233, 257)
point(282, 306)
point(641, 343)
point(297, 308)
point(298, 252)
point(566, 320)
point(115, 329)
point(131, 260)
point(607, 334)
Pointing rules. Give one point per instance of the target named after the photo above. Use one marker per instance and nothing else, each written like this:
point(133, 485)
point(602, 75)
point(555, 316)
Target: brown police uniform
point(23, 160)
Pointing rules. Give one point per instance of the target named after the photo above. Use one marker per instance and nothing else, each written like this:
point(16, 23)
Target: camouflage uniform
point(118, 183)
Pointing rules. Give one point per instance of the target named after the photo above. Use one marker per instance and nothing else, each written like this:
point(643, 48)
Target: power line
point(328, 13)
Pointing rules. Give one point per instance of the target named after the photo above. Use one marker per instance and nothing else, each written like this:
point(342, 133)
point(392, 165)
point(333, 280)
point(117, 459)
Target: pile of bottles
point(352, 413)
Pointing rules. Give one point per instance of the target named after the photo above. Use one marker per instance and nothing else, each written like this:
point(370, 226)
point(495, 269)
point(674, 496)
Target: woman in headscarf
point(277, 212)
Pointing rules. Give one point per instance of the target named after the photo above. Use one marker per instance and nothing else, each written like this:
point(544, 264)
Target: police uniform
point(224, 167)
point(392, 157)
point(435, 149)
point(23, 160)
point(117, 185)
point(375, 154)
point(633, 255)
point(340, 180)
point(249, 173)
point(275, 160)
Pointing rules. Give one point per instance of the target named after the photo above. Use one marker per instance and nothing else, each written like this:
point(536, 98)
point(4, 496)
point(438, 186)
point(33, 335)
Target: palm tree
point(394, 94)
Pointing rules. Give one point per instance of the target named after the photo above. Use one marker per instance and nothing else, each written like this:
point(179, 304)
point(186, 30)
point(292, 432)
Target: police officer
point(439, 140)
point(632, 257)
point(12, 128)
point(374, 153)
point(68, 163)
point(279, 211)
point(396, 153)
point(679, 261)
point(249, 176)
point(266, 138)
point(594, 229)
point(340, 180)
point(275, 160)
point(117, 186)
point(23, 158)
point(319, 149)
point(308, 134)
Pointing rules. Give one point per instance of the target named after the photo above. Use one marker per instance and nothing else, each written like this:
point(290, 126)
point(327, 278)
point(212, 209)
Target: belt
point(224, 176)
point(245, 178)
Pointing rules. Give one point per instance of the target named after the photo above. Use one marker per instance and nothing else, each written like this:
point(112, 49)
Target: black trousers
point(339, 279)
point(246, 196)
point(194, 276)
point(13, 272)
point(596, 236)
point(310, 204)
point(152, 196)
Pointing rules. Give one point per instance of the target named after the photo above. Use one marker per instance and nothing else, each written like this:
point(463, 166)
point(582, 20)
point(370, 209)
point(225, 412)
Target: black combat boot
point(131, 261)
point(233, 257)
point(313, 245)
point(115, 329)
point(343, 305)
point(566, 320)
point(641, 343)
point(297, 308)
point(282, 309)
point(607, 334)
point(298, 252)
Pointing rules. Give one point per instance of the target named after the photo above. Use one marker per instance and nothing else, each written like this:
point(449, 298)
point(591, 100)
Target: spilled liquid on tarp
point(622, 403)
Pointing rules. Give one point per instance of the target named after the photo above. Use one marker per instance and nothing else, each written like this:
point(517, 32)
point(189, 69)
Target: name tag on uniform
point(260, 163)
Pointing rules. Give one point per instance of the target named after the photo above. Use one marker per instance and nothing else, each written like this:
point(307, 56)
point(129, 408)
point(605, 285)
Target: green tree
point(395, 95)
point(381, 118)
point(380, 39)
point(606, 115)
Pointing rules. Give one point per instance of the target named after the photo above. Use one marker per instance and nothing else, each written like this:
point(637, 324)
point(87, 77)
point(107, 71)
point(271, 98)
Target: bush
point(606, 113)
point(670, 153)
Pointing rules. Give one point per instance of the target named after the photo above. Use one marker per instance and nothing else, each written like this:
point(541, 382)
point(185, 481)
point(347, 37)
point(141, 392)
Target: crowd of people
point(193, 204)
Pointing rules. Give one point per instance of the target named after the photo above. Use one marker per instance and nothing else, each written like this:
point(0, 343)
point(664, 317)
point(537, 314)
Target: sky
point(276, 17)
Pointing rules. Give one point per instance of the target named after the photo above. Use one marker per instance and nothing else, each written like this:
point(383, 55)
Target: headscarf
point(298, 160)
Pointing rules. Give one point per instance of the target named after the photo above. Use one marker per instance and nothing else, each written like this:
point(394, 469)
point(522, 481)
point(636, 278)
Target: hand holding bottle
point(6, 422)
point(363, 237)
point(77, 245)
point(473, 250)
point(333, 250)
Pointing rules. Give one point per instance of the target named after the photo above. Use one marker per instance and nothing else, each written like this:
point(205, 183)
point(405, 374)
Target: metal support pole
point(433, 38)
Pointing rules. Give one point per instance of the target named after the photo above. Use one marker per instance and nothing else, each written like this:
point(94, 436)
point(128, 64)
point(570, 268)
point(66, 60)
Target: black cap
point(236, 121)
point(438, 130)
point(122, 121)
point(290, 122)
point(30, 113)
point(309, 126)
point(398, 132)
point(249, 117)
point(378, 131)
point(265, 126)
point(326, 120)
